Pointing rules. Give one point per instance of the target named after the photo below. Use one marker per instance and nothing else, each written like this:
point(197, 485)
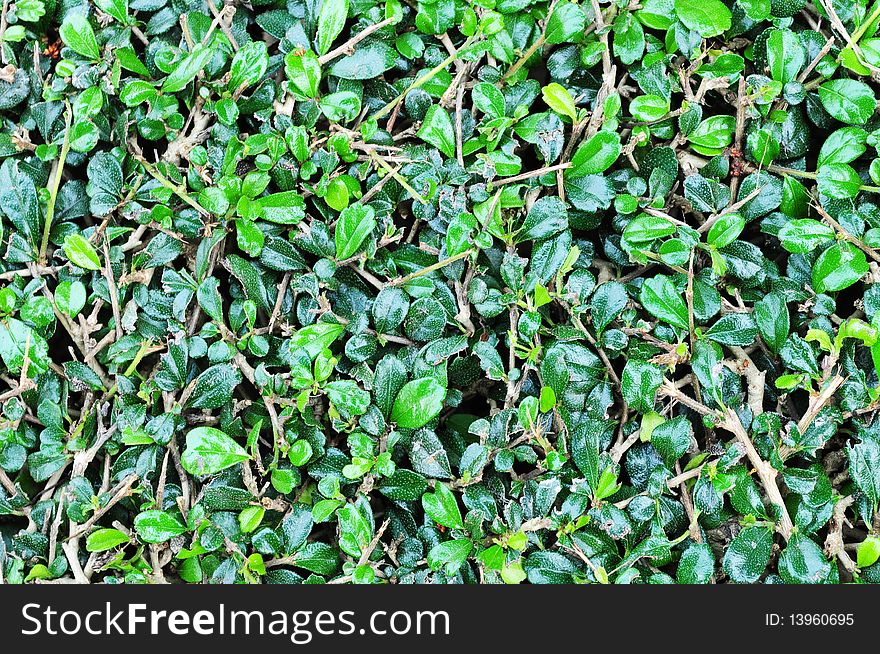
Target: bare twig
point(766, 473)
point(348, 46)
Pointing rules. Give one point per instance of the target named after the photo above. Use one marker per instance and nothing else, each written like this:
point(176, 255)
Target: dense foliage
point(440, 292)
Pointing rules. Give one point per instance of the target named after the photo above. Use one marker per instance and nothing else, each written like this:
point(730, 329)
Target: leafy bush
point(440, 292)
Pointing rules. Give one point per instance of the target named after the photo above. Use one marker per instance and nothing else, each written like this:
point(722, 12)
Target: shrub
point(398, 292)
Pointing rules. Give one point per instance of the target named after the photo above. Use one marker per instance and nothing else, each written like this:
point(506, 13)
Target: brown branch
point(818, 402)
point(766, 472)
point(348, 46)
point(120, 492)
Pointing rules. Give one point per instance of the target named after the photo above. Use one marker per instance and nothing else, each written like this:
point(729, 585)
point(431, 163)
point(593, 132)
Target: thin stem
point(533, 173)
point(845, 235)
point(398, 177)
point(766, 472)
point(421, 81)
point(525, 56)
point(171, 186)
point(357, 38)
point(434, 266)
point(865, 25)
point(794, 172)
point(56, 183)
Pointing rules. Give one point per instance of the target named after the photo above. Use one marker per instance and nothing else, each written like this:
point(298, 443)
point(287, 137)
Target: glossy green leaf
point(209, 450)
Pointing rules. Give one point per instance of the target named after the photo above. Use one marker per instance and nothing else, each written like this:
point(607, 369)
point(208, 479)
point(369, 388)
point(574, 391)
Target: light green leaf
point(354, 225)
point(157, 526)
point(78, 35)
point(209, 450)
point(437, 130)
point(102, 540)
point(331, 20)
point(707, 17)
point(559, 100)
point(417, 403)
point(81, 252)
point(187, 69)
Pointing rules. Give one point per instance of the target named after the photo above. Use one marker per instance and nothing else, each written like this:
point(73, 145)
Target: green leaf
point(102, 540)
point(452, 554)
point(843, 146)
point(316, 338)
point(341, 106)
point(762, 146)
point(185, 71)
point(19, 200)
point(802, 562)
point(864, 468)
point(331, 20)
point(589, 193)
point(81, 252)
point(116, 8)
point(389, 378)
point(748, 554)
point(404, 485)
point(317, 557)
point(585, 439)
point(304, 71)
point(643, 230)
point(559, 100)
point(772, 319)
point(661, 300)
point(868, 552)
point(649, 108)
point(368, 61)
point(209, 450)
point(785, 55)
point(417, 403)
point(285, 208)
point(725, 230)
point(565, 23)
point(707, 17)
point(128, 60)
point(354, 531)
point(596, 155)
point(548, 216)
point(354, 225)
point(488, 99)
point(250, 518)
point(672, 438)
point(157, 526)
point(714, 133)
point(804, 235)
point(70, 297)
point(214, 387)
point(136, 92)
point(839, 181)
point(348, 398)
point(734, 329)
point(839, 267)
point(608, 302)
point(78, 35)
point(249, 237)
point(16, 339)
point(249, 65)
point(639, 383)
point(337, 196)
point(696, 565)
point(848, 100)
point(442, 507)
point(437, 130)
